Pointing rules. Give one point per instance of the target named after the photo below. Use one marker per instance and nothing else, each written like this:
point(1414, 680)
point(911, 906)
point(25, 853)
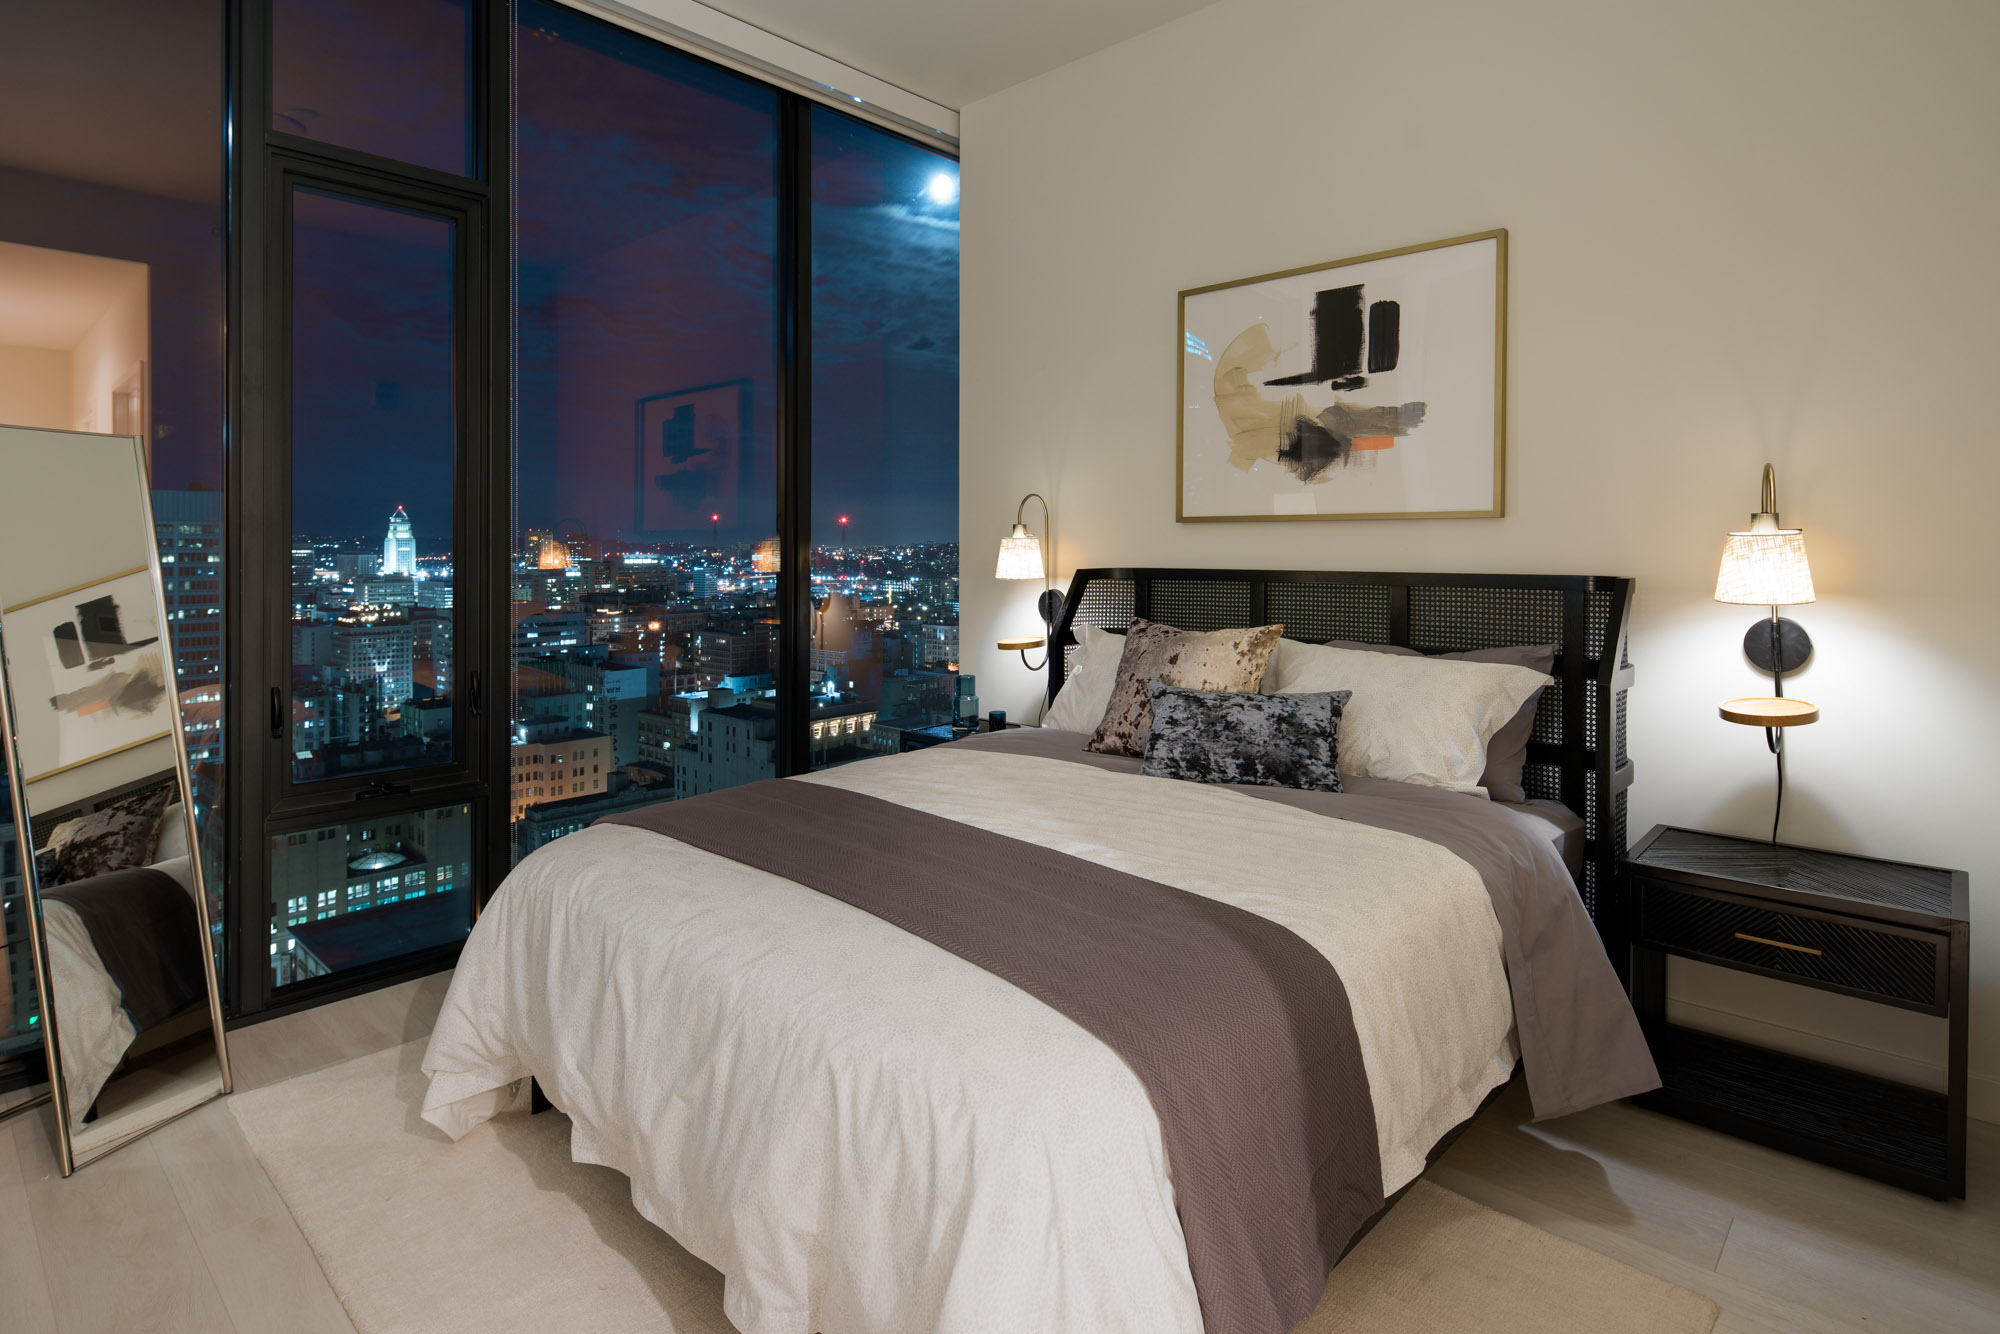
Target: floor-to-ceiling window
point(658, 202)
point(376, 447)
point(884, 246)
point(646, 236)
point(112, 252)
point(705, 335)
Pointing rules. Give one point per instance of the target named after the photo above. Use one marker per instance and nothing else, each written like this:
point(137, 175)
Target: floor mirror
point(104, 816)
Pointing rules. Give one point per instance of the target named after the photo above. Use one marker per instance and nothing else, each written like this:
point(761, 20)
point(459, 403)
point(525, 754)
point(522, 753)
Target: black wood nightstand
point(1884, 931)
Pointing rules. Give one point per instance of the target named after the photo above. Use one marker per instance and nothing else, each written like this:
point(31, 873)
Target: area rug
point(501, 1232)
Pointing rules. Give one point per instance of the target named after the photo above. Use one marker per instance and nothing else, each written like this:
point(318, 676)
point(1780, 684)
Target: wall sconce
point(1021, 557)
point(1767, 566)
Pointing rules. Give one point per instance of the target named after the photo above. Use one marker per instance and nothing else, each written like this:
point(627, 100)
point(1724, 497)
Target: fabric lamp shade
point(1020, 555)
point(1765, 568)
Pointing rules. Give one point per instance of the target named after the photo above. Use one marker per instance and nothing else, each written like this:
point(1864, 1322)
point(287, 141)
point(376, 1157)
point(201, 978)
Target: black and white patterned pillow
point(1203, 736)
point(119, 834)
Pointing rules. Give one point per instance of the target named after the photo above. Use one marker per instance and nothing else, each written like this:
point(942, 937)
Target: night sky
point(645, 239)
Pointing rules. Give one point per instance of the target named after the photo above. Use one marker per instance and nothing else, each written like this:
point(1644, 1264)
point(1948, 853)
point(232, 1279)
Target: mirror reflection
point(97, 767)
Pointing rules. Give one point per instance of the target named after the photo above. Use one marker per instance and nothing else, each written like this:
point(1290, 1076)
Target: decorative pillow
point(1231, 660)
point(1086, 690)
point(1414, 719)
point(1507, 752)
point(119, 834)
point(59, 835)
point(1201, 736)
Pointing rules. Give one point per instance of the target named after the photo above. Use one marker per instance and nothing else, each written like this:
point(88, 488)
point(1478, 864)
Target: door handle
point(277, 713)
point(472, 693)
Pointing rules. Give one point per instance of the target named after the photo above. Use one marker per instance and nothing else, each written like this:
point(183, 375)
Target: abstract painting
point(1368, 388)
point(88, 672)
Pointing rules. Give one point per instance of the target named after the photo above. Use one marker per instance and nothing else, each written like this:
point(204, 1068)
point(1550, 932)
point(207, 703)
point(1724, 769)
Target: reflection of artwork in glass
point(89, 677)
point(694, 457)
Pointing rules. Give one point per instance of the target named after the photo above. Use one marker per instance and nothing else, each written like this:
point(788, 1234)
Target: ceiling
point(956, 51)
point(125, 93)
point(51, 298)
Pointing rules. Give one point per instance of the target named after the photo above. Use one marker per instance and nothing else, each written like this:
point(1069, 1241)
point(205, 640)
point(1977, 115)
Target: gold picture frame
point(1250, 446)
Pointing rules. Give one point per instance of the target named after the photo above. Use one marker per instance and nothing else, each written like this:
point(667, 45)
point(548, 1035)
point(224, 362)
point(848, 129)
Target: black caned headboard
point(1576, 754)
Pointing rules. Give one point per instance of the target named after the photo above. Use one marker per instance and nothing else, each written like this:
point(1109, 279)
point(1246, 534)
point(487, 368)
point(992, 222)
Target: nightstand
point(1888, 932)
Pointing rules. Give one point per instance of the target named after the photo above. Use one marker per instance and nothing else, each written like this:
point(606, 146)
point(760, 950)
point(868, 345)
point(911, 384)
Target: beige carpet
point(502, 1233)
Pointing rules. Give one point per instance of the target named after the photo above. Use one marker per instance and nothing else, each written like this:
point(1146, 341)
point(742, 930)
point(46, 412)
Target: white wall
point(108, 355)
point(1739, 231)
point(34, 386)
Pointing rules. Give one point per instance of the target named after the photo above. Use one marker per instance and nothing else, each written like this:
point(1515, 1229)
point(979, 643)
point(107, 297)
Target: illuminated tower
point(399, 548)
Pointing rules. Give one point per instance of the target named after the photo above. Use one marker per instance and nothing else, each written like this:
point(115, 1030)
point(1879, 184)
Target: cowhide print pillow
point(1270, 740)
point(1227, 660)
point(119, 834)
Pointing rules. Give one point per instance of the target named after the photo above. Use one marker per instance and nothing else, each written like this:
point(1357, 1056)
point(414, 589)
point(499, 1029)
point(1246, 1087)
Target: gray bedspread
point(1580, 1041)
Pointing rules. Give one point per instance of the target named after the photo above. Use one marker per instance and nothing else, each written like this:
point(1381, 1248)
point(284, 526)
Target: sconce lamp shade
point(1766, 568)
point(1020, 555)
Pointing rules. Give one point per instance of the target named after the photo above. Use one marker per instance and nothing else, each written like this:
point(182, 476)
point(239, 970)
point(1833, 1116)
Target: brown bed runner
point(1239, 1030)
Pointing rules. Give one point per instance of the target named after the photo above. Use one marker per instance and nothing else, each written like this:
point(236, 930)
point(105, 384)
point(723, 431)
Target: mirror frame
point(31, 876)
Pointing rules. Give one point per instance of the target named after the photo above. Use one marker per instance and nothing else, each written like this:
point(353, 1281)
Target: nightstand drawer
point(1907, 968)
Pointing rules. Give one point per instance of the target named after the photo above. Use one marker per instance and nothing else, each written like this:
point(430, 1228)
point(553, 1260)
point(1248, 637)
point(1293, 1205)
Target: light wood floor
point(183, 1231)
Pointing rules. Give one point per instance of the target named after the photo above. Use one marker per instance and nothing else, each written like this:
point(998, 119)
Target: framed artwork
point(1368, 388)
point(693, 458)
point(88, 672)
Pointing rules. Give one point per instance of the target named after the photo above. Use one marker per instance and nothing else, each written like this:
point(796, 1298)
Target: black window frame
point(264, 802)
point(265, 165)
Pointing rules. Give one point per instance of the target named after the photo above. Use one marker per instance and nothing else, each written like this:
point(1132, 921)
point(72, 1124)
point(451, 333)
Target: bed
point(866, 1132)
point(99, 1021)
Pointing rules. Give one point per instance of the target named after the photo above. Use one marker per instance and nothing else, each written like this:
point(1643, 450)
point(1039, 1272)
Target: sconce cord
point(1048, 629)
point(1774, 737)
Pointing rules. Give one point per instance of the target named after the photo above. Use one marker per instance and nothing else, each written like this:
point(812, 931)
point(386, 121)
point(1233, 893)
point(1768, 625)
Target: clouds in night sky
point(645, 239)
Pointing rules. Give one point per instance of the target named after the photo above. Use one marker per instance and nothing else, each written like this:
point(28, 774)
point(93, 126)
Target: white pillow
point(1086, 690)
point(173, 834)
point(1411, 719)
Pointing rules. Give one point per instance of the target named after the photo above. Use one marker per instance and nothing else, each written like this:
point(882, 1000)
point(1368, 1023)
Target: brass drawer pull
point(1802, 949)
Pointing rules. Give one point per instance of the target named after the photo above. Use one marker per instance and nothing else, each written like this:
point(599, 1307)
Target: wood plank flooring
point(184, 1232)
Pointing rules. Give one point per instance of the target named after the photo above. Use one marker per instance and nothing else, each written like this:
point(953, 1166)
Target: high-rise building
point(376, 645)
point(738, 743)
point(188, 527)
point(18, 1003)
point(718, 653)
point(556, 762)
point(399, 548)
point(613, 694)
point(304, 576)
point(336, 891)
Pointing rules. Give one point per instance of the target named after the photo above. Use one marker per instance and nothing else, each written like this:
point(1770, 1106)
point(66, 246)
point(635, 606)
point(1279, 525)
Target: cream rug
point(502, 1232)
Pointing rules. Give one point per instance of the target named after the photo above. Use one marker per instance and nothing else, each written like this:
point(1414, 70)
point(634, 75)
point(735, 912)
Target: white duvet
point(869, 1135)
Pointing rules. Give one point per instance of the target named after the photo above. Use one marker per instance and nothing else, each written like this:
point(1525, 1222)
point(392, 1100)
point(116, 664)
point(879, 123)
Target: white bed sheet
point(869, 1135)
